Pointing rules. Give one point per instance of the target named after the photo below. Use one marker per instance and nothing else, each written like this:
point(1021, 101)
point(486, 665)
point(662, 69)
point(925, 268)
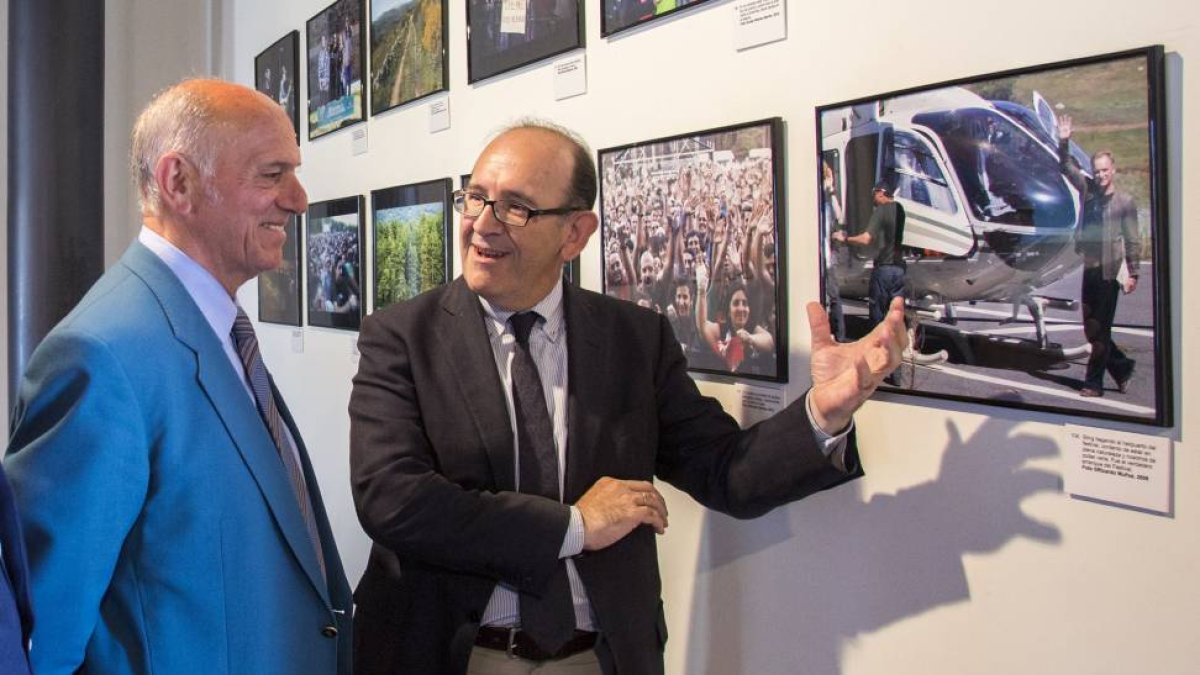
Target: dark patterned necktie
point(549, 618)
point(246, 343)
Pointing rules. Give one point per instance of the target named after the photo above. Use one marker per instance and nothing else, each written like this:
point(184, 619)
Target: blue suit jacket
point(162, 532)
point(15, 616)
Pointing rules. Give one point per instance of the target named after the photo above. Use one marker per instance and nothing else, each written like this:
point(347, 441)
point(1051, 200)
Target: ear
point(178, 182)
point(579, 229)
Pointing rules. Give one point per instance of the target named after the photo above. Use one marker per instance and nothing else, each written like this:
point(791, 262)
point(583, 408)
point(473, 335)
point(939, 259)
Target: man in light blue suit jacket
point(163, 529)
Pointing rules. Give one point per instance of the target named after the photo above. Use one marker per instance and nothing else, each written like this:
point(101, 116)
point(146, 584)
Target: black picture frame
point(1004, 244)
point(492, 51)
point(571, 270)
point(411, 240)
point(412, 33)
point(336, 92)
point(621, 15)
point(279, 290)
point(715, 195)
point(276, 70)
point(333, 252)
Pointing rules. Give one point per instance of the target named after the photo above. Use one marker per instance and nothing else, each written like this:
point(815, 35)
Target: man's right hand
point(612, 508)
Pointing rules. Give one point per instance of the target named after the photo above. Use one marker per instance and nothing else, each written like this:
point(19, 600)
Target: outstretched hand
point(844, 375)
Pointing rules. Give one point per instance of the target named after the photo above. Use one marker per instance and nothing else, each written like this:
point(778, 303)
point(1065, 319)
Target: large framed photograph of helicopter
point(692, 227)
point(1022, 216)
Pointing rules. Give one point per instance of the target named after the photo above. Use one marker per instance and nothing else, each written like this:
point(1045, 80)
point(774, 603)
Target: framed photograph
point(333, 250)
point(279, 290)
point(619, 15)
point(335, 68)
point(1022, 216)
point(275, 73)
point(692, 226)
point(570, 270)
point(408, 51)
point(502, 36)
point(411, 240)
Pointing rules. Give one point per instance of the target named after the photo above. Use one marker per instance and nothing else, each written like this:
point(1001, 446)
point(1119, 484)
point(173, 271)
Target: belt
point(517, 644)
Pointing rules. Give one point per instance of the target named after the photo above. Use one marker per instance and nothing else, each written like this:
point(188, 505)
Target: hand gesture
point(612, 508)
point(1064, 127)
point(701, 277)
point(845, 375)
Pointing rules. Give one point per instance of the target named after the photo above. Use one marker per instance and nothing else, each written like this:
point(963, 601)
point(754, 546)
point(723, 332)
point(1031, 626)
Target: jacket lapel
point(470, 350)
point(586, 401)
point(225, 392)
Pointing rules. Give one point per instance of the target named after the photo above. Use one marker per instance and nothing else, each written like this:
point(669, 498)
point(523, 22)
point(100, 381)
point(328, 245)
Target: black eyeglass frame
point(458, 200)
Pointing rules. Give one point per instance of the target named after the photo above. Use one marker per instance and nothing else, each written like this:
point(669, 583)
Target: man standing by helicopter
point(884, 233)
point(1107, 236)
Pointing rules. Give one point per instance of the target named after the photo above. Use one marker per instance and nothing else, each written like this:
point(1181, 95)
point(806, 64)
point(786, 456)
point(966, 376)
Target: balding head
point(581, 187)
point(195, 118)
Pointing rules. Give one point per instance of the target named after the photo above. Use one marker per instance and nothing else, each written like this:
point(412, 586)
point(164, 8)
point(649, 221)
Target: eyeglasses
point(511, 213)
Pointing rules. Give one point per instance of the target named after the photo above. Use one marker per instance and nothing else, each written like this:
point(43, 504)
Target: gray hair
point(178, 119)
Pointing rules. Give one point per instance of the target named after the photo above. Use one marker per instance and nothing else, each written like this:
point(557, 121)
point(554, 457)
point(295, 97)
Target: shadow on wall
point(852, 567)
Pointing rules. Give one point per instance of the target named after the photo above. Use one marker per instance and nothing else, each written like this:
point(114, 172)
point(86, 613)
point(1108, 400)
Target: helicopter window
point(918, 176)
point(1008, 176)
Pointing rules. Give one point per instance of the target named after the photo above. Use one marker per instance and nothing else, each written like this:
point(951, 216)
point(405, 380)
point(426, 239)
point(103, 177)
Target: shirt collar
point(210, 296)
point(550, 308)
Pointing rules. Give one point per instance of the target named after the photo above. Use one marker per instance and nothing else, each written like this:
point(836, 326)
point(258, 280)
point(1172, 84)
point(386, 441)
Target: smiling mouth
point(489, 253)
point(277, 227)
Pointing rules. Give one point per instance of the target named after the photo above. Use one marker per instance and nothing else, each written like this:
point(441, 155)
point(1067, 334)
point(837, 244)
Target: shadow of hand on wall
point(812, 576)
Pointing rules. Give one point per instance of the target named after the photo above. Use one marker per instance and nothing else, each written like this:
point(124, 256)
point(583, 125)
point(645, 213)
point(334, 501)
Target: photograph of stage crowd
point(334, 272)
point(690, 230)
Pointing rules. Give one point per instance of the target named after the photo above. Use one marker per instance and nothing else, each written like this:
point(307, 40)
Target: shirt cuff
point(833, 446)
point(573, 541)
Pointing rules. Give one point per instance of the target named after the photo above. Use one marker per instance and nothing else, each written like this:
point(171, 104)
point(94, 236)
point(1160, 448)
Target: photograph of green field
point(408, 53)
point(411, 246)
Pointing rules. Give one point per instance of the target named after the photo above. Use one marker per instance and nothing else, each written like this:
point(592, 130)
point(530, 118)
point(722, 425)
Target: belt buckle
point(512, 640)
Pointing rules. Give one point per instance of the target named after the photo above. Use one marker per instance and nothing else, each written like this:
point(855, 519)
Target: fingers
point(612, 508)
point(818, 324)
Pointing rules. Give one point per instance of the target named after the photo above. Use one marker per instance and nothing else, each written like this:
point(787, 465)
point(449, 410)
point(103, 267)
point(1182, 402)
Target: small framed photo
point(279, 290)
point(570, 269)
point(619, 15)
point(333, 251)
point(411, 240)
point(692, 226)
point(1022, 215)
point(505, 35)
point(408, 51)
point(335, 68)
point(275, 73)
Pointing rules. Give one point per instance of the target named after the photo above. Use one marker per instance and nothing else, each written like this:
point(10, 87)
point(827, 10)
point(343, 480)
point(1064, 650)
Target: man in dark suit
point(173, 519)
point(477, 567)
point(16, 617)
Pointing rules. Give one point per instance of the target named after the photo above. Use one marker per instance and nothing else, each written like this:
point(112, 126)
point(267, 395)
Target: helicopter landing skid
point(1037, 306)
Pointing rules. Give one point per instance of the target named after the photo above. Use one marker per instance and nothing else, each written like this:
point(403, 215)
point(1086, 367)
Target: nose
point(486, 222)
point(293, 197)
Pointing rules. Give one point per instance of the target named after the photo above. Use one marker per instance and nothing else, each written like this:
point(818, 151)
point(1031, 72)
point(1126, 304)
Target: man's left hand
point(845, 375)
point(1130, 285)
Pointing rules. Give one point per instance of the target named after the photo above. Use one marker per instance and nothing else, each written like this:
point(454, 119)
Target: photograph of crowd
point(334, 254)
point(618, 15)
point(1021, 216)
point(692, 227)
point(411, 240)
point(335, 68)
point(279, 289)
point(504, 35)
point(408, 51)
point(275, 72)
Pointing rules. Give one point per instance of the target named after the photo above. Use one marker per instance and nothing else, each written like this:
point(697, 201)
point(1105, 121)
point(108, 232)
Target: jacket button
point(329, 631)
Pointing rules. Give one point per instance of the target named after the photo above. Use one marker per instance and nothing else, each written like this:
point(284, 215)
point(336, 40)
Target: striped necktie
point(549, 618)
point(246, 343)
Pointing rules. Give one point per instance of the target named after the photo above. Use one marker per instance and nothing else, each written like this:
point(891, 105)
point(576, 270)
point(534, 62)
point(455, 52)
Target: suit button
point(329, 631)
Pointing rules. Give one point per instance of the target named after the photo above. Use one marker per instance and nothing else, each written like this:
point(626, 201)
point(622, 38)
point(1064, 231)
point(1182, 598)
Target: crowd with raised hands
point(694, 238)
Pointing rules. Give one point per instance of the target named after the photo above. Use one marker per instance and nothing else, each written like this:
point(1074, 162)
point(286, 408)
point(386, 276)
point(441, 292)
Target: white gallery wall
point(958, 552)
